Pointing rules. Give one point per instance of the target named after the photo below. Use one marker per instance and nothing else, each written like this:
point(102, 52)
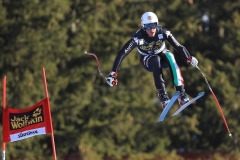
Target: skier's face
point(150, 29)
point(151, 32)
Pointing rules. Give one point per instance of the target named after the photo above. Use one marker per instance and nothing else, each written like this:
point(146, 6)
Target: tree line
point(94, 121)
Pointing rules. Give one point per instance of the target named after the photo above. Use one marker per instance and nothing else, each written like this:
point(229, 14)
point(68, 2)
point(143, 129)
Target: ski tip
point(85, 52)
point(201, 93)
point(230, 134)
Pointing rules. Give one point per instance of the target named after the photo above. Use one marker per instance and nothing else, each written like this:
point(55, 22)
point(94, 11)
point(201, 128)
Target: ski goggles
point(150, 26)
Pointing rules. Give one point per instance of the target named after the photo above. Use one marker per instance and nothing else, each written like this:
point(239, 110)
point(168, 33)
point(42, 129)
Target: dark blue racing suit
point(154, 55)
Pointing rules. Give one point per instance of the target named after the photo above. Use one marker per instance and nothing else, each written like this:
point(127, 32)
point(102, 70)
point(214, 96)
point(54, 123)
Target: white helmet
point(149, 17)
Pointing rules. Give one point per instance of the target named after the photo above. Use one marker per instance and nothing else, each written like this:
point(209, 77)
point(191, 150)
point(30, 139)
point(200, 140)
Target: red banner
point(20, 124)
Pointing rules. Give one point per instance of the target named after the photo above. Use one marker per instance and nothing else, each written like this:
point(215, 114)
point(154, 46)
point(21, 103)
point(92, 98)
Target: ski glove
point(192, 61)
point(112, 79)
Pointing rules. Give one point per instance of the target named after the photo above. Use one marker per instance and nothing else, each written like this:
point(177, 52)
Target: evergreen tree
point(92, 120)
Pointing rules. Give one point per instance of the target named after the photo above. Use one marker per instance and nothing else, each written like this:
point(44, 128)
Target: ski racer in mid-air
point(154, 56)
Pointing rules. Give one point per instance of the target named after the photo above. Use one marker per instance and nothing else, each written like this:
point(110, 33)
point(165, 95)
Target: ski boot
point(163, 97)
point(183, 98)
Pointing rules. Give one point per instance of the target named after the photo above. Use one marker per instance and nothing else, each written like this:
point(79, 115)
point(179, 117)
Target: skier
point(150, 43)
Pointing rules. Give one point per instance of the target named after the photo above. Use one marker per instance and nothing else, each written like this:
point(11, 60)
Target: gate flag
point(19, 124)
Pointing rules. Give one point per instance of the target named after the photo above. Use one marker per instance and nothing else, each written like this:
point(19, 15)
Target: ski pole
point(98, 63)
point(219, 107)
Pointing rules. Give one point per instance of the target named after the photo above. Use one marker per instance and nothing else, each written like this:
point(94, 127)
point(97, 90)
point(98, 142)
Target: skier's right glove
point(112, 79)
point(192, 61)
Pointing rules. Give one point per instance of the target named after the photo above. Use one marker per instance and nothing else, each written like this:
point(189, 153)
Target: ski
point(169, 105)
point(188, 103)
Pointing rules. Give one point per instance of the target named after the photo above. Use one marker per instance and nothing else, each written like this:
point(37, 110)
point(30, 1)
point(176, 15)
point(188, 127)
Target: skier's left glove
point(192, 61)
point(112, 79)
